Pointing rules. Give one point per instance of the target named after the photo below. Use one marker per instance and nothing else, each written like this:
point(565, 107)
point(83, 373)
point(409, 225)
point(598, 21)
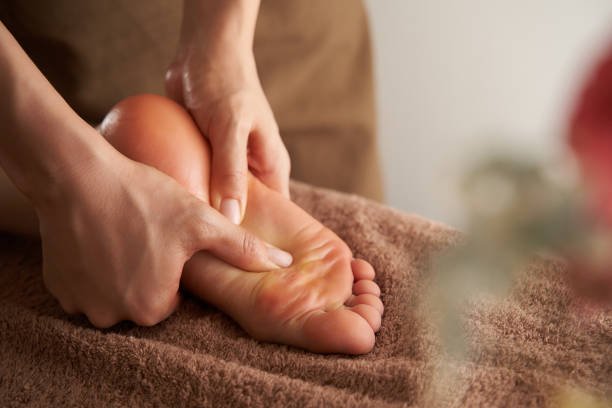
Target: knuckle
point(147, 312)
point(68, 306)
point(231, 180)
point(270, 167)
point(234, 130)
point(232, 123)
point(194, 226)
point(203, 226)
point(242, 123)
point(101, 319)
point(146, 319)
point(273, 168)
point(279, 166)
point(250, 246)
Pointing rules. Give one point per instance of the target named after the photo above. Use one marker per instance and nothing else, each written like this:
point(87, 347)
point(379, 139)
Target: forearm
point(214, 76)
point(43, 142)
point(214, 24)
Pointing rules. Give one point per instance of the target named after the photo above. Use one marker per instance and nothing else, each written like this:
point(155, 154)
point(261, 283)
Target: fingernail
point(280, 257)
point(230, 208)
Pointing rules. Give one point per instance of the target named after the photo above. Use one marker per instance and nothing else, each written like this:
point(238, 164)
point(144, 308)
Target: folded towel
point(524, 349)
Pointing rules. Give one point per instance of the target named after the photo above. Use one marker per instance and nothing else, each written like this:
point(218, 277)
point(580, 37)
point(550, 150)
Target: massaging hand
point(114, 245)
point(115, 233)
point(214, 76)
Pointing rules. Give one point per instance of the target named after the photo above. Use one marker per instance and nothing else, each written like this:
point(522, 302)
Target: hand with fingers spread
point(214, 76)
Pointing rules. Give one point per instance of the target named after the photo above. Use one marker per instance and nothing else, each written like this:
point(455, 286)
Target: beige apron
point(313, 58)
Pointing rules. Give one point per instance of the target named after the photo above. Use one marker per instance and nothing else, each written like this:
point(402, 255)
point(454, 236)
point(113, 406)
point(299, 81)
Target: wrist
point(218, 26)
point(68, 169)
point(44, 145)
point(205, 77)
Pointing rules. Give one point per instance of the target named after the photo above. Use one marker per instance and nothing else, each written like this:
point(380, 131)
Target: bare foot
point(325, 302)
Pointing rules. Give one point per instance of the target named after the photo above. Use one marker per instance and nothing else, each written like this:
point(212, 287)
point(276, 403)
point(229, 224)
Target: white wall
point(457, 76)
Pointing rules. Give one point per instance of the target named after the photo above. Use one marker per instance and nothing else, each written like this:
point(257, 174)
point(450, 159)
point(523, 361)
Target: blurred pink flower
point(591, 140)
point(591, 136)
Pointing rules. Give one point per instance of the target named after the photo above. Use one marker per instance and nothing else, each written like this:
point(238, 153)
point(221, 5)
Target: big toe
point(369, 314)
point(337, 331)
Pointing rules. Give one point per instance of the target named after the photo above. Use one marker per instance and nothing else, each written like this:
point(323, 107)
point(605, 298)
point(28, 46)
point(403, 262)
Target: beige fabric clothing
point(313, 57)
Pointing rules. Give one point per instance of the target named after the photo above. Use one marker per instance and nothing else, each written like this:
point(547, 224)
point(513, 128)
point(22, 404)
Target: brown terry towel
point(525, 349)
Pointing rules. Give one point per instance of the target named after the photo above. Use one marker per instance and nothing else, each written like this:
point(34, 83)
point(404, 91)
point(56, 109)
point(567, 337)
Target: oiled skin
point(324, 302)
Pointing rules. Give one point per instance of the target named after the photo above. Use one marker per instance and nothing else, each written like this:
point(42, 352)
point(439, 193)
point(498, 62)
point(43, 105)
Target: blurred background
point(457, 79)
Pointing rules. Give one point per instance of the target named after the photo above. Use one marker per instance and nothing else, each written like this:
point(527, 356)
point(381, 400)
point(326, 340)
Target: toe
point(362, 270)
point(369, 314)
point(367, 299)
point(338, 331)
point(366, 286)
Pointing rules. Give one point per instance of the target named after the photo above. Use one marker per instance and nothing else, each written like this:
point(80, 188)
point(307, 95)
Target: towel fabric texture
point(525, 350)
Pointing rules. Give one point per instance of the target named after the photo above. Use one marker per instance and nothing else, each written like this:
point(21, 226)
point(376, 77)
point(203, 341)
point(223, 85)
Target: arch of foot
point(325, 302)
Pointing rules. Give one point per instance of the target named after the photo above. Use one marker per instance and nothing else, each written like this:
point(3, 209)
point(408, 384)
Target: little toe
point(367, 299)
point(366, 286)
point(362, 270)
point(338, 331)
point(369, 314)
